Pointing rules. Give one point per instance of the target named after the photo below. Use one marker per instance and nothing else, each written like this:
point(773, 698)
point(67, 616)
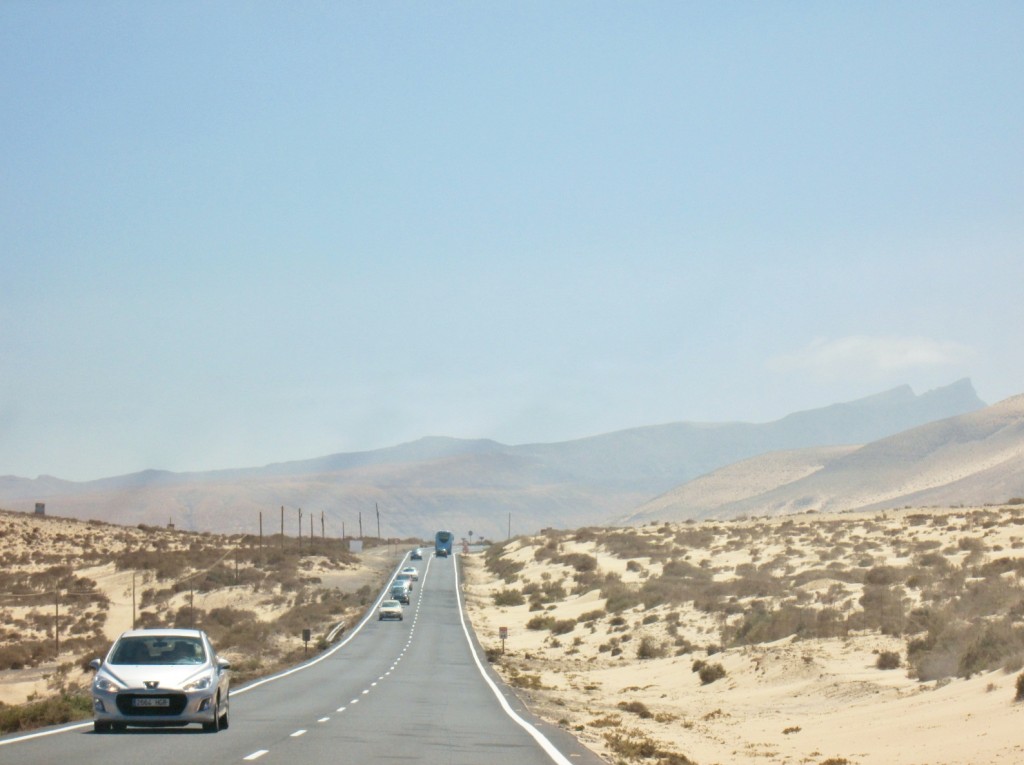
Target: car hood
point(165, 676)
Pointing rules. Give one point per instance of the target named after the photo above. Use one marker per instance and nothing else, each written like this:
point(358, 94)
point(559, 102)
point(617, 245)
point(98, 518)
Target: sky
point(238, 233)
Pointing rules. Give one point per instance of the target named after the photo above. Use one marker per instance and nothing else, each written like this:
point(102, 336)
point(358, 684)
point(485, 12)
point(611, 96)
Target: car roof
point(163, 632)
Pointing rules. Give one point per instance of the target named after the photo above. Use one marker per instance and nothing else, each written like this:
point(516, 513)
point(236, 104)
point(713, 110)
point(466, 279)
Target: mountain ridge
point(439, 481)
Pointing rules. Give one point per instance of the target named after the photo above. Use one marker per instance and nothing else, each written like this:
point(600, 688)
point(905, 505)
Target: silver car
point(160, 678)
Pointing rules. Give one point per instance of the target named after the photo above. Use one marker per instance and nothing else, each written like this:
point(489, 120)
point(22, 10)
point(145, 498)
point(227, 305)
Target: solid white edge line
point(539, 737)
point(41, 734)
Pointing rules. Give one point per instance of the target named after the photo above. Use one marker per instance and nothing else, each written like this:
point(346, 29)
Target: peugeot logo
point(151, 684)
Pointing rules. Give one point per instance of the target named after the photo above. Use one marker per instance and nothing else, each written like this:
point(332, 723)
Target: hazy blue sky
point(234, 233)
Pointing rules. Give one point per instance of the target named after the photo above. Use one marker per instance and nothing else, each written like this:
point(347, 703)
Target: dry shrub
point(634, 745)
point(650, 648)
point(888, 660)
point(544, 622)
point(52, 711)
point(636, 707)
point(508, 597)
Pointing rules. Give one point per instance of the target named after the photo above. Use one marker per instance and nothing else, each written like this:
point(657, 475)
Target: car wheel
point(224, 720)
point(212, 727)
point(100, 727)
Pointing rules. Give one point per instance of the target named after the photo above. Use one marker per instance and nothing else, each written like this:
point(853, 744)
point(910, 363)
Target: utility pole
point(323, 533)
point(378, 519)
point(360, 524)
point(299, 535)
point(282, 527)
point(56, 620)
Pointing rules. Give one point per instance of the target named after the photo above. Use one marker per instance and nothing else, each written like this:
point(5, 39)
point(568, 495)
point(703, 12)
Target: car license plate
point(144, 702)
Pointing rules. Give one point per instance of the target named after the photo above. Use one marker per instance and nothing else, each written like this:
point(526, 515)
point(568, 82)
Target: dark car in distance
point(400, 593)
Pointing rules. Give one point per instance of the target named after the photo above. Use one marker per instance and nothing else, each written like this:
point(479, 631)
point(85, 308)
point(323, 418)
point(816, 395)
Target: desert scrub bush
point(884, 609)
point(707, 673)
point(650, 648)
point(618, 597)
point(884, 575)
point(562, 626)
point(634, 745)
point(591, 616)
point(508, 597)
point(500, 566)
point(680, 582)
point(64, 708)
point(528, 682)
point(542, 622)
point(636, 707)
point(608, 721)
point(580, 562)
point(971, 544)
point(628, 544)
point(761, 624)
point(954, 647)
point(888, 660)
point(25, 653)
point(1020, 688)
point(711, 672)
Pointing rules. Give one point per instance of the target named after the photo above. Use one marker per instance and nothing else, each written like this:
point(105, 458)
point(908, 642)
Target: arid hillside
point(975, 458)
point(851, 639)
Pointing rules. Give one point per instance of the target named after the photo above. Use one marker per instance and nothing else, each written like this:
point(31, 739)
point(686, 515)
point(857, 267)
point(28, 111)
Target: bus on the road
point(443, 543)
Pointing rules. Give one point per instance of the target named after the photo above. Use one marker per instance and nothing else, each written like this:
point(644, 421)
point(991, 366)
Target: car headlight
point(106, 685)
point(199, 684)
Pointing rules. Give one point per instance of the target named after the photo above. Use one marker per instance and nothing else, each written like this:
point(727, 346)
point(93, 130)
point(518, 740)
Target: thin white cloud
point(870, 356)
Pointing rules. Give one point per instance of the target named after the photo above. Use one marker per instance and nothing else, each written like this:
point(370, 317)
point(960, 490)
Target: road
point(415, 691)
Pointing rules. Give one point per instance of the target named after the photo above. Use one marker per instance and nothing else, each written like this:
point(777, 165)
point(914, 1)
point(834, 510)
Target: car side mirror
point(96, 663)
point(223, 664)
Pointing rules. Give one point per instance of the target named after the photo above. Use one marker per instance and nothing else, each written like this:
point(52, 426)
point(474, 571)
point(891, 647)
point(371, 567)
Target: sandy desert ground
point(621, 674)
point(750, 641)
point(37, 554)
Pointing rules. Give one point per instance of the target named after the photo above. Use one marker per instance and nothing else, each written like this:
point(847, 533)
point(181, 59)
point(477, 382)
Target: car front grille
point(127, 704)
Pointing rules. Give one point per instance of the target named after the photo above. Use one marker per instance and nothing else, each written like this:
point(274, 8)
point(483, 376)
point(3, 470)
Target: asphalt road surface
point(414, 691)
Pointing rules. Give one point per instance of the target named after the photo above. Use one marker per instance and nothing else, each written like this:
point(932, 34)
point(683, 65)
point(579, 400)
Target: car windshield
point(158, 650)
point(390, 604)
